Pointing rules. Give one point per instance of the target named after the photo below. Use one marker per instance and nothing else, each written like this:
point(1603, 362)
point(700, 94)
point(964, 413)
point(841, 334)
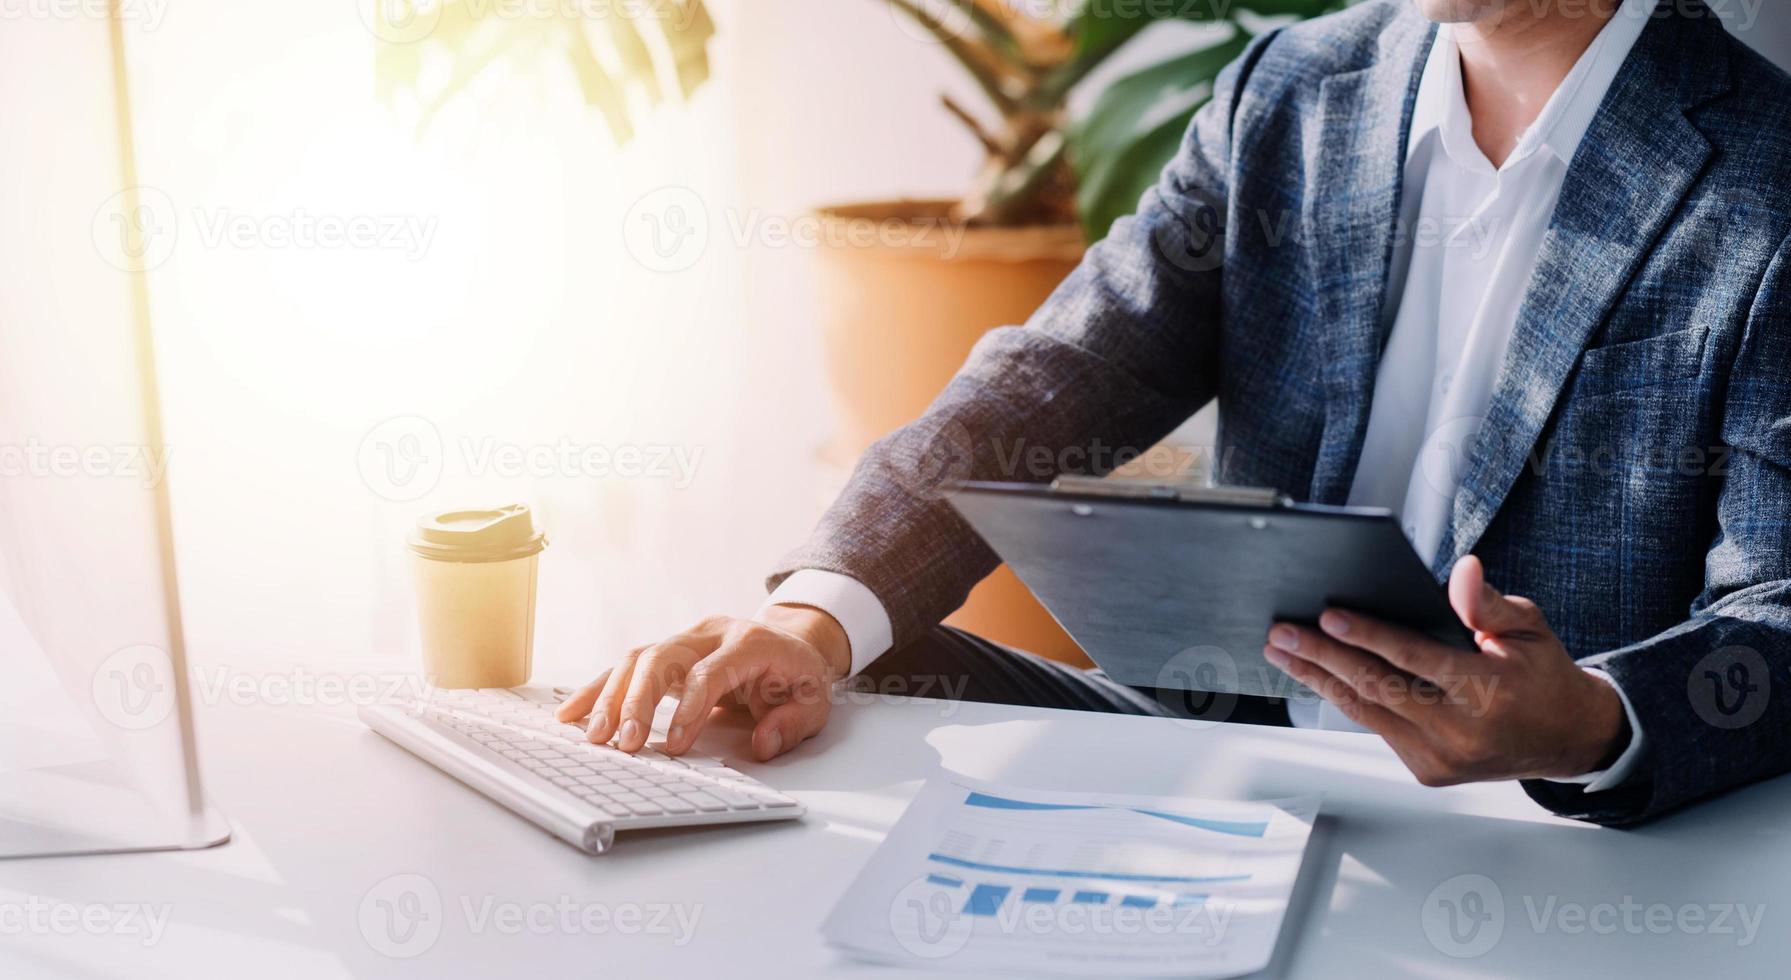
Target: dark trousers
point(951, 663)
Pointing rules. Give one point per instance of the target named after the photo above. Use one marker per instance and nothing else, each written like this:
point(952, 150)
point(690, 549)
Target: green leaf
point(1019, 183)
point(993, 31)
point(688, 38)
point(476, 35)
point(1101, 27)
point(1135, 127)
point(975, 55)
point(631, 50)
point(600, 90)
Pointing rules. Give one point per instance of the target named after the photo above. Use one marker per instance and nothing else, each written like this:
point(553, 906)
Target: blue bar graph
point(1138, 902)
point(958, 862)
point(1043, 896)
point(1090, 898)
point(985, 899)
point(1241, 828)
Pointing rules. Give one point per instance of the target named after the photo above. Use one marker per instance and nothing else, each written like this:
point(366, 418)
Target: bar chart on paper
point(976, 876)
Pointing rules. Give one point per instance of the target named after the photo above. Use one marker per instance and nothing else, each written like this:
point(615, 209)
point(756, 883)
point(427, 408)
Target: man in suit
point(1518, 270)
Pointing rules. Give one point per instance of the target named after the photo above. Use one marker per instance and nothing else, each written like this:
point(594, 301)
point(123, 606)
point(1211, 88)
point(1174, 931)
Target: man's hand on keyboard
point(781, 669)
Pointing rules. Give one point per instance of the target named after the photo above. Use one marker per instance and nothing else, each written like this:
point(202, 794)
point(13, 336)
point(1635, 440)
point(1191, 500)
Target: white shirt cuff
point(1621, 770)
point(850, 602)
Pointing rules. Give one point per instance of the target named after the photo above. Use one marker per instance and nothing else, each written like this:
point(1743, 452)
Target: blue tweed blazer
point(1633, 476)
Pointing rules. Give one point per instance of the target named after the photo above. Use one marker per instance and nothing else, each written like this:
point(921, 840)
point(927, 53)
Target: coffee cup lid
point(499, 534)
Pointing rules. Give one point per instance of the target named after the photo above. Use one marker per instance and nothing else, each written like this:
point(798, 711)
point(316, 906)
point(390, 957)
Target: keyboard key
point(703, 801)
point(765, 792)
point(735, 801)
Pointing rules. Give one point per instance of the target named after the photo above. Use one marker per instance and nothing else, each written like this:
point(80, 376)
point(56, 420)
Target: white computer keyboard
point(508, 745)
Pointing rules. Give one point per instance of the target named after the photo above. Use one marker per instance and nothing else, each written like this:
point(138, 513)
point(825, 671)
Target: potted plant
point(900, 315)
point(1050, 183)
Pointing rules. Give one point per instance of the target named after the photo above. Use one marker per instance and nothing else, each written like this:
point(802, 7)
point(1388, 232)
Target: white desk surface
point(324, 811)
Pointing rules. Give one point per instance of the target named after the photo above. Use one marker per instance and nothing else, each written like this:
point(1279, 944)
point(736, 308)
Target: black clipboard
point(1175, 588)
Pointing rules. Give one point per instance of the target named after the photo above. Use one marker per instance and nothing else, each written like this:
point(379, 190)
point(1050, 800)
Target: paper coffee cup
point(476, 595)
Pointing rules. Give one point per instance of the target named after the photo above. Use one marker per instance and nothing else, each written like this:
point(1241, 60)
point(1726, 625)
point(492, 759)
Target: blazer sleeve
point(1121, 353)
point(1714, 692)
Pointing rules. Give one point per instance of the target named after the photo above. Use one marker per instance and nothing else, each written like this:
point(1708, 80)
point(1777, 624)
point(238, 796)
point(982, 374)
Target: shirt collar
point(1442, 108)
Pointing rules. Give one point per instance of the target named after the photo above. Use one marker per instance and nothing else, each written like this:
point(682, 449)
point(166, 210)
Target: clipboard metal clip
point(1092, 486)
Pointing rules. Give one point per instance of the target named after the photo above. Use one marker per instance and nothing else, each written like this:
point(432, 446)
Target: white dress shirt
point(1471, 234)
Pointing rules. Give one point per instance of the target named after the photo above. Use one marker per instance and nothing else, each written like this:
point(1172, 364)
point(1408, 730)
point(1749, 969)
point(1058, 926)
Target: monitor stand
point(90, 808)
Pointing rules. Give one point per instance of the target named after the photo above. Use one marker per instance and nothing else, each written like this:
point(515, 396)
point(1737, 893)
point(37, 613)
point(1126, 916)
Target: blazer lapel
point(1634, 167)
point(1358, 168)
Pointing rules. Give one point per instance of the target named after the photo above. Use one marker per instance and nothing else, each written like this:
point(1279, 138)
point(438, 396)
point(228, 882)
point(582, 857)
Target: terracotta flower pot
point(905, 294)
